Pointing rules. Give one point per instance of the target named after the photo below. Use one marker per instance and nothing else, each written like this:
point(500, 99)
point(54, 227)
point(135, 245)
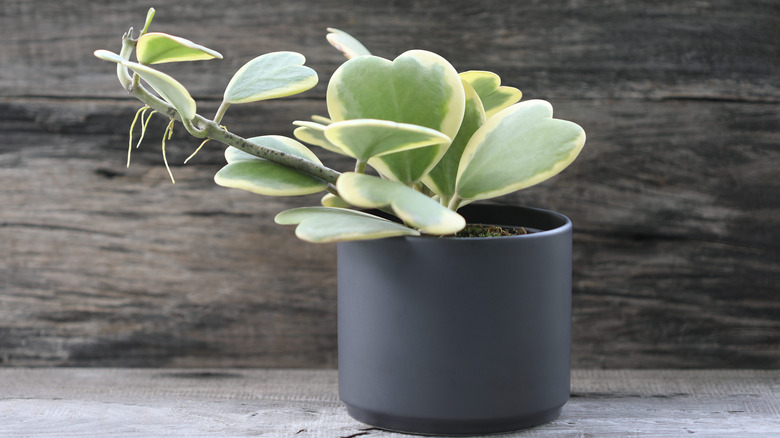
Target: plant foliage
point(426, 140)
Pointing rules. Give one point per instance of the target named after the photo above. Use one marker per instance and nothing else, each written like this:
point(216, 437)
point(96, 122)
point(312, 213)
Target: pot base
point(422, 426)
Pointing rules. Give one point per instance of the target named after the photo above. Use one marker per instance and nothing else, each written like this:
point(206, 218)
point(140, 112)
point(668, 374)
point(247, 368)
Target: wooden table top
point(304, 403)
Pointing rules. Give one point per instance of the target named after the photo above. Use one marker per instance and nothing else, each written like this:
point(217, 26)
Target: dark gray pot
point(458, 336)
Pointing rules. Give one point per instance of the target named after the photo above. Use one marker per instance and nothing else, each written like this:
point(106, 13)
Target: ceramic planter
point(458, 336)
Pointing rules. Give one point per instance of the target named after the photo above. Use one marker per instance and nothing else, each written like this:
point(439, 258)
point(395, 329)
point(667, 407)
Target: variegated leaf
point(314, 133)
point(368, 138)
point(414, 208)
point(331, 200)
point(494, 96)
point(269, 76)
point(442, 178)
point(326, 224)
point(156, 48)
point(418, 87)
point(167, 87)
point(517, 148)
point(346, 43)
point(257, 175)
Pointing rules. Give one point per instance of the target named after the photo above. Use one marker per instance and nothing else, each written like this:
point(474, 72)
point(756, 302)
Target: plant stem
point(360, 166)
point(221, 112)
point(454, 203)
point(203, 128)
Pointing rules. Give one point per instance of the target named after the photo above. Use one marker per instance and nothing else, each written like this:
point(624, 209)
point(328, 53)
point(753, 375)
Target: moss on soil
point(478, 230)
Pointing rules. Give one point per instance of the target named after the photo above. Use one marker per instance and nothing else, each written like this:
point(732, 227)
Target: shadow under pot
point(458, 335)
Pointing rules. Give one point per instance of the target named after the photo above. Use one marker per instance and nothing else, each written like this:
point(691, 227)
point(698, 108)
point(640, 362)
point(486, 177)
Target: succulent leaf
point(418, 87)
point(494, 96)
point(346, 43)
point(157, 47)
point(314, 133)
point(269, 76)
point(368, 138)
point(169, 88)
point(327, 224)
point(322, 120)
point(257, 175)
point(441, 178)
point(411, 206)
point(331, 200)
point(517, 148)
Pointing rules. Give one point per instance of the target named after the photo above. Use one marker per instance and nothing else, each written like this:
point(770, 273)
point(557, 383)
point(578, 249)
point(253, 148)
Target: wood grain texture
point(304, 403)
point(675, 198)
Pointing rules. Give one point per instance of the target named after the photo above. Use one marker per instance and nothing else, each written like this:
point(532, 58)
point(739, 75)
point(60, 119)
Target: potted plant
point(440, 332)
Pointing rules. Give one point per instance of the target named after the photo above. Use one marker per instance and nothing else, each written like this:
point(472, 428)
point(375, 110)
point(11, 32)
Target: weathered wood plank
point(241, 402)
point(134, 270)
point(720, 49)
point(674, 199)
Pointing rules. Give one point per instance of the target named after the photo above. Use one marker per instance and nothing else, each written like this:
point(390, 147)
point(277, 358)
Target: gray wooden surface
point(674, 199)
point(304, 403)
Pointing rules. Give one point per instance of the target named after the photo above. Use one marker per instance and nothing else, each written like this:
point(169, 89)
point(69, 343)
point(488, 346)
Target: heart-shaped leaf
point(269, 76)
point(414, 208)
point(257, 175)
point(326, 224)
point(367, 138)
point(418, 88)
point(346, 43)
point(169, 88)
point(517, 148)
point(156, 48)
point(441, 178)
point(494, 96)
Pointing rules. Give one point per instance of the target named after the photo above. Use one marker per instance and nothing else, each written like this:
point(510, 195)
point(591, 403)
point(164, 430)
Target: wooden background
point(674, 198)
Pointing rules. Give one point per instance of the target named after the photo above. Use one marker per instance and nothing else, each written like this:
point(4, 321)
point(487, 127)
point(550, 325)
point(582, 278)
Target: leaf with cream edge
point(327, 224)
point(331, 200)
point(346, 43)
point(366, 138)
point(411, 206)
point(157, 48)
point(494, 96)
point(314, 133)
point(270, 76)
point(418, 88)
point(257, 175)
point(441, 179)
point(517, 148)
point(167, 87)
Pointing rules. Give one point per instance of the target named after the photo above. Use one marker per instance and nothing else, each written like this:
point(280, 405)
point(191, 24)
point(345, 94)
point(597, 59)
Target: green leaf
point(276, 142)
point(414, 208)
point(269, 76)
point(257, 175)
point(167, 87)
point(326, 224)
point(149, 17)
point(322, 120)
point(331, 200)
point(494, 96)
point(442, 178)
point(367, 138)
point(346, 43)
point(314, 133)
point(418, 88)
point(517, 148)
point(156, 48)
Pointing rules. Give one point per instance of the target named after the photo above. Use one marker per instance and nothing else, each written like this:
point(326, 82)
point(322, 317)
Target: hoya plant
point(425, 139)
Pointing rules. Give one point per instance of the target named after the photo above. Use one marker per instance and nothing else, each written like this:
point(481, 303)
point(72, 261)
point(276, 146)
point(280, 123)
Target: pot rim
point(562, 224)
